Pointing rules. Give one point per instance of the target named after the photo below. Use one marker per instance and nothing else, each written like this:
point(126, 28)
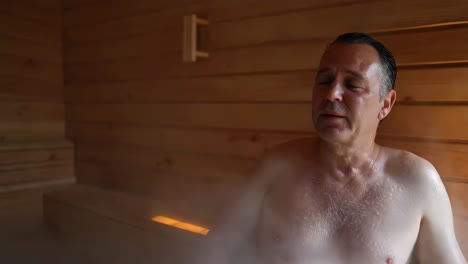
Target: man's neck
point(345, 162)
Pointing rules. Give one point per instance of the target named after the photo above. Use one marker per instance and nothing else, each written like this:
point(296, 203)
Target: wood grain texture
point(201, 200)
point(35, 145)
point(188, 134)
point(216, 10)
point(25, 48)
point(11, 25)
point(289, 56)
point(31, 111)
point(448, 157)
point(118, 225)
point(153, 45)
point(39, 173)
point(100, 12)
point(445, 84)
point(20, 89)
point(17, 66)
point(42, 12)
point(146, 23)
point(266, 22)
point(25, 165)
point(327, 23)
point(445, 121)
point(245, 144)
point(37, 155)
point(14, 131)
point(179, 164)
point(31, 76)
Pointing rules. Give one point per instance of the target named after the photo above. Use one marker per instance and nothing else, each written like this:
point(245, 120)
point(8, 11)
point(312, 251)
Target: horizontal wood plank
point(216, 10)
point(36, 155)
point(277, 20)
point(410, 47)
point(154, 160)
point(30, 68)
point(77, 3)
point(99, 12)
point(448, 157)
point(36, 145)
point(36, 174)
point(21, 28)
point(20, 88)
point(444, 121)
point(294, 86)
point(31, 111)
point(379, 16)
point(153, 45)
point(169, 20)
point(443, 84)
point(214, 115)
point(245, 144)
point(291, 56)
point(222, 11)
point(26, 48)
point(42, 12)
point(13, 131)
point(30, 167)
point(435, 121)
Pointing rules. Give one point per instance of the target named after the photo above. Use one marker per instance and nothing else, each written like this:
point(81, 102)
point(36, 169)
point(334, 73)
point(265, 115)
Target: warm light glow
point(181, 225)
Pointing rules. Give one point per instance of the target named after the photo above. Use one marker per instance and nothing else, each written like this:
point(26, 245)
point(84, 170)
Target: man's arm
point(436, 241)
point(230, 241)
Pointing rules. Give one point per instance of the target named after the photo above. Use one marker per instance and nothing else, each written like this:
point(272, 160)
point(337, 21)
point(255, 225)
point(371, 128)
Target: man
point(342, 198)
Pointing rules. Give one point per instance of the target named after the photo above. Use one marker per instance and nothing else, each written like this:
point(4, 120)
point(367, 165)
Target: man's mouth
point(332, 116)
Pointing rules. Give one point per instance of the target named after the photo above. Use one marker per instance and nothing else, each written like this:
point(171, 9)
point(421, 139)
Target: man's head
point(354, 88)
point(387, 61)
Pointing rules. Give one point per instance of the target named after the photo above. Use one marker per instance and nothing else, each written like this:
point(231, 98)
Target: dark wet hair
point(387, 61)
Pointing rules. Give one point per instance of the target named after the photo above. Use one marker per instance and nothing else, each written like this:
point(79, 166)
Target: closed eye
point(354, 86)
point(324, 82)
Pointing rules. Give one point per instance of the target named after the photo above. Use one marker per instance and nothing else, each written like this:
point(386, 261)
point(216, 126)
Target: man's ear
point(388, 102)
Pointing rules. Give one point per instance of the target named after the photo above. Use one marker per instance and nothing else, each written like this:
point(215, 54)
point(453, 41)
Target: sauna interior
point(107, 128)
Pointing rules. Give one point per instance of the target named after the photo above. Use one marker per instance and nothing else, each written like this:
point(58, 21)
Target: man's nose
point(335, 92)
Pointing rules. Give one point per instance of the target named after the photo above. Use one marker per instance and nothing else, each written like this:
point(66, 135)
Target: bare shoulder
point(282, 159)
point(412, 172)
point(425, 192)
point(409, 164)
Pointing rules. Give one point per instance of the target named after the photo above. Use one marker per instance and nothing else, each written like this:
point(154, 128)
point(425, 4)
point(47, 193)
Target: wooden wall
point(144, 121)
point(32, 122)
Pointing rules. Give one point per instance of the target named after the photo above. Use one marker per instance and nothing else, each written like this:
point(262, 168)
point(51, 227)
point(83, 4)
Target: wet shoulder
point(285, 159)
point(413, 173)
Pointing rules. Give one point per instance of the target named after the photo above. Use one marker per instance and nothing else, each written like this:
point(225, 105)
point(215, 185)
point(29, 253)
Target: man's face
point(346, 96)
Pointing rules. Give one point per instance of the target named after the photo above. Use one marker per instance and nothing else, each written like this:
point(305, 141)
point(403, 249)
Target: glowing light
point(181, 225)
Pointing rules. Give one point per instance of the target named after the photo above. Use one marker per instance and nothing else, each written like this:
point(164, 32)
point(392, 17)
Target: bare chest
point(303, 223)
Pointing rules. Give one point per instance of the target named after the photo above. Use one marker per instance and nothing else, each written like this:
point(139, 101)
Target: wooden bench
point(106, 226)
point(114, 226)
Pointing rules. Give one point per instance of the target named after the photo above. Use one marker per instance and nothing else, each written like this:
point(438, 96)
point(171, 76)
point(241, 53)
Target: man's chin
point(333, 134)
